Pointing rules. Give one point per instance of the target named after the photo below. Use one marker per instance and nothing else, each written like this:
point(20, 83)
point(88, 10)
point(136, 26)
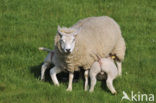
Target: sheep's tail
point(45, 49)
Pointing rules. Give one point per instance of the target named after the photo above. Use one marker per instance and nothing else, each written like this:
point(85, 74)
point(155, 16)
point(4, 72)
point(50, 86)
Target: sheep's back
point(99, 35)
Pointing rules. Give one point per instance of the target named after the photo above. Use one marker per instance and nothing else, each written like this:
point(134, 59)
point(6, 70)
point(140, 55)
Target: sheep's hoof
point(120, 74)
point(69, 89)
point(91, 91)
point(86, 88)
point(114, 93)
point(57, 85)
point(42, 79)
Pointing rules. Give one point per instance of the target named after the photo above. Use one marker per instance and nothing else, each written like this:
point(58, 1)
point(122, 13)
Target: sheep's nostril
point(68, 50)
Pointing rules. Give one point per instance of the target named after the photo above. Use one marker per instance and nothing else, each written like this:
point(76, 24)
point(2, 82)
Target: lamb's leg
point(119, 65)
point(43, 69)
point(109, 83)
point(86, 80)
point(71, 75)
point(53, 72)
point(92, 80)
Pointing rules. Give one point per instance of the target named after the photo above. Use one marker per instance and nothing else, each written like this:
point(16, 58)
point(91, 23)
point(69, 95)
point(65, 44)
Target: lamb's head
point(67, 38)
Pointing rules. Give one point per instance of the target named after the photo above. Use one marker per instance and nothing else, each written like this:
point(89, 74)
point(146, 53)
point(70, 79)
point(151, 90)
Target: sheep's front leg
point(53, 72)
point(119, 65)
point(43, 69)
point(71, 75)
point(86, 80)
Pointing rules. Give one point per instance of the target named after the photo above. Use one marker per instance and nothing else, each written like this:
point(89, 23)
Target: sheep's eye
point(61, 40)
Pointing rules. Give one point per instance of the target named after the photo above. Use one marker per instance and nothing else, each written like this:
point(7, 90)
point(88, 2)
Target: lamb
point(76, 46)
point(47, 61)
point(108, 66)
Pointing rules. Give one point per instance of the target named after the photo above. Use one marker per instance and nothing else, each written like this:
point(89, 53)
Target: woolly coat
point(98, 36)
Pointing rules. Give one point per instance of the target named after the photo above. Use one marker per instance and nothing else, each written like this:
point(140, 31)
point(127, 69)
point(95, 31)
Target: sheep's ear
point(76, 31)
point(59, 30)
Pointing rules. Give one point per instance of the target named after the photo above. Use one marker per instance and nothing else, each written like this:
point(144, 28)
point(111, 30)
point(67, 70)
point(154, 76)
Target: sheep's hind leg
point(43, 69)
point(92, 80)
point(109, 83)
point(71, 75)
point(53, 72)
point(86, 80)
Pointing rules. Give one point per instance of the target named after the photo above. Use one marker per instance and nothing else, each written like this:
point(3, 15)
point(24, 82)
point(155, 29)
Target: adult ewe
point(77, 46)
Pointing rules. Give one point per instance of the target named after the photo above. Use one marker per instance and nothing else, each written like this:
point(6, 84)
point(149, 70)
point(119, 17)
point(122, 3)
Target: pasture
point(26, 25)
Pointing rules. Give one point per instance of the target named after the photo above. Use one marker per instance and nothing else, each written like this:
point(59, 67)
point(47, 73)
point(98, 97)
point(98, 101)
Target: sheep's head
point(67, 38)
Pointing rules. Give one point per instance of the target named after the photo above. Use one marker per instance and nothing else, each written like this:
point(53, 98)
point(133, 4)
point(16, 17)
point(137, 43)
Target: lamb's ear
point(59, 31)
point(76, 31)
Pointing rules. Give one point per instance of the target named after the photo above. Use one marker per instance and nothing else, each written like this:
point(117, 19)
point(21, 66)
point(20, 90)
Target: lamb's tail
point(45, 49)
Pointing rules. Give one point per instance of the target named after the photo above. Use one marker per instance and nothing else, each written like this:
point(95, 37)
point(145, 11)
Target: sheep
point(76, 46)
point(47, 61)
point(108, 66)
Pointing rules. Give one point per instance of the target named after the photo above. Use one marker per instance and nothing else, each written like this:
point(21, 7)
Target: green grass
point(27, 24)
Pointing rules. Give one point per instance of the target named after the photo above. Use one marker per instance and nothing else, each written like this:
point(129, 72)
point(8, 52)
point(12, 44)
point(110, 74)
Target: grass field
point(27, 24)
